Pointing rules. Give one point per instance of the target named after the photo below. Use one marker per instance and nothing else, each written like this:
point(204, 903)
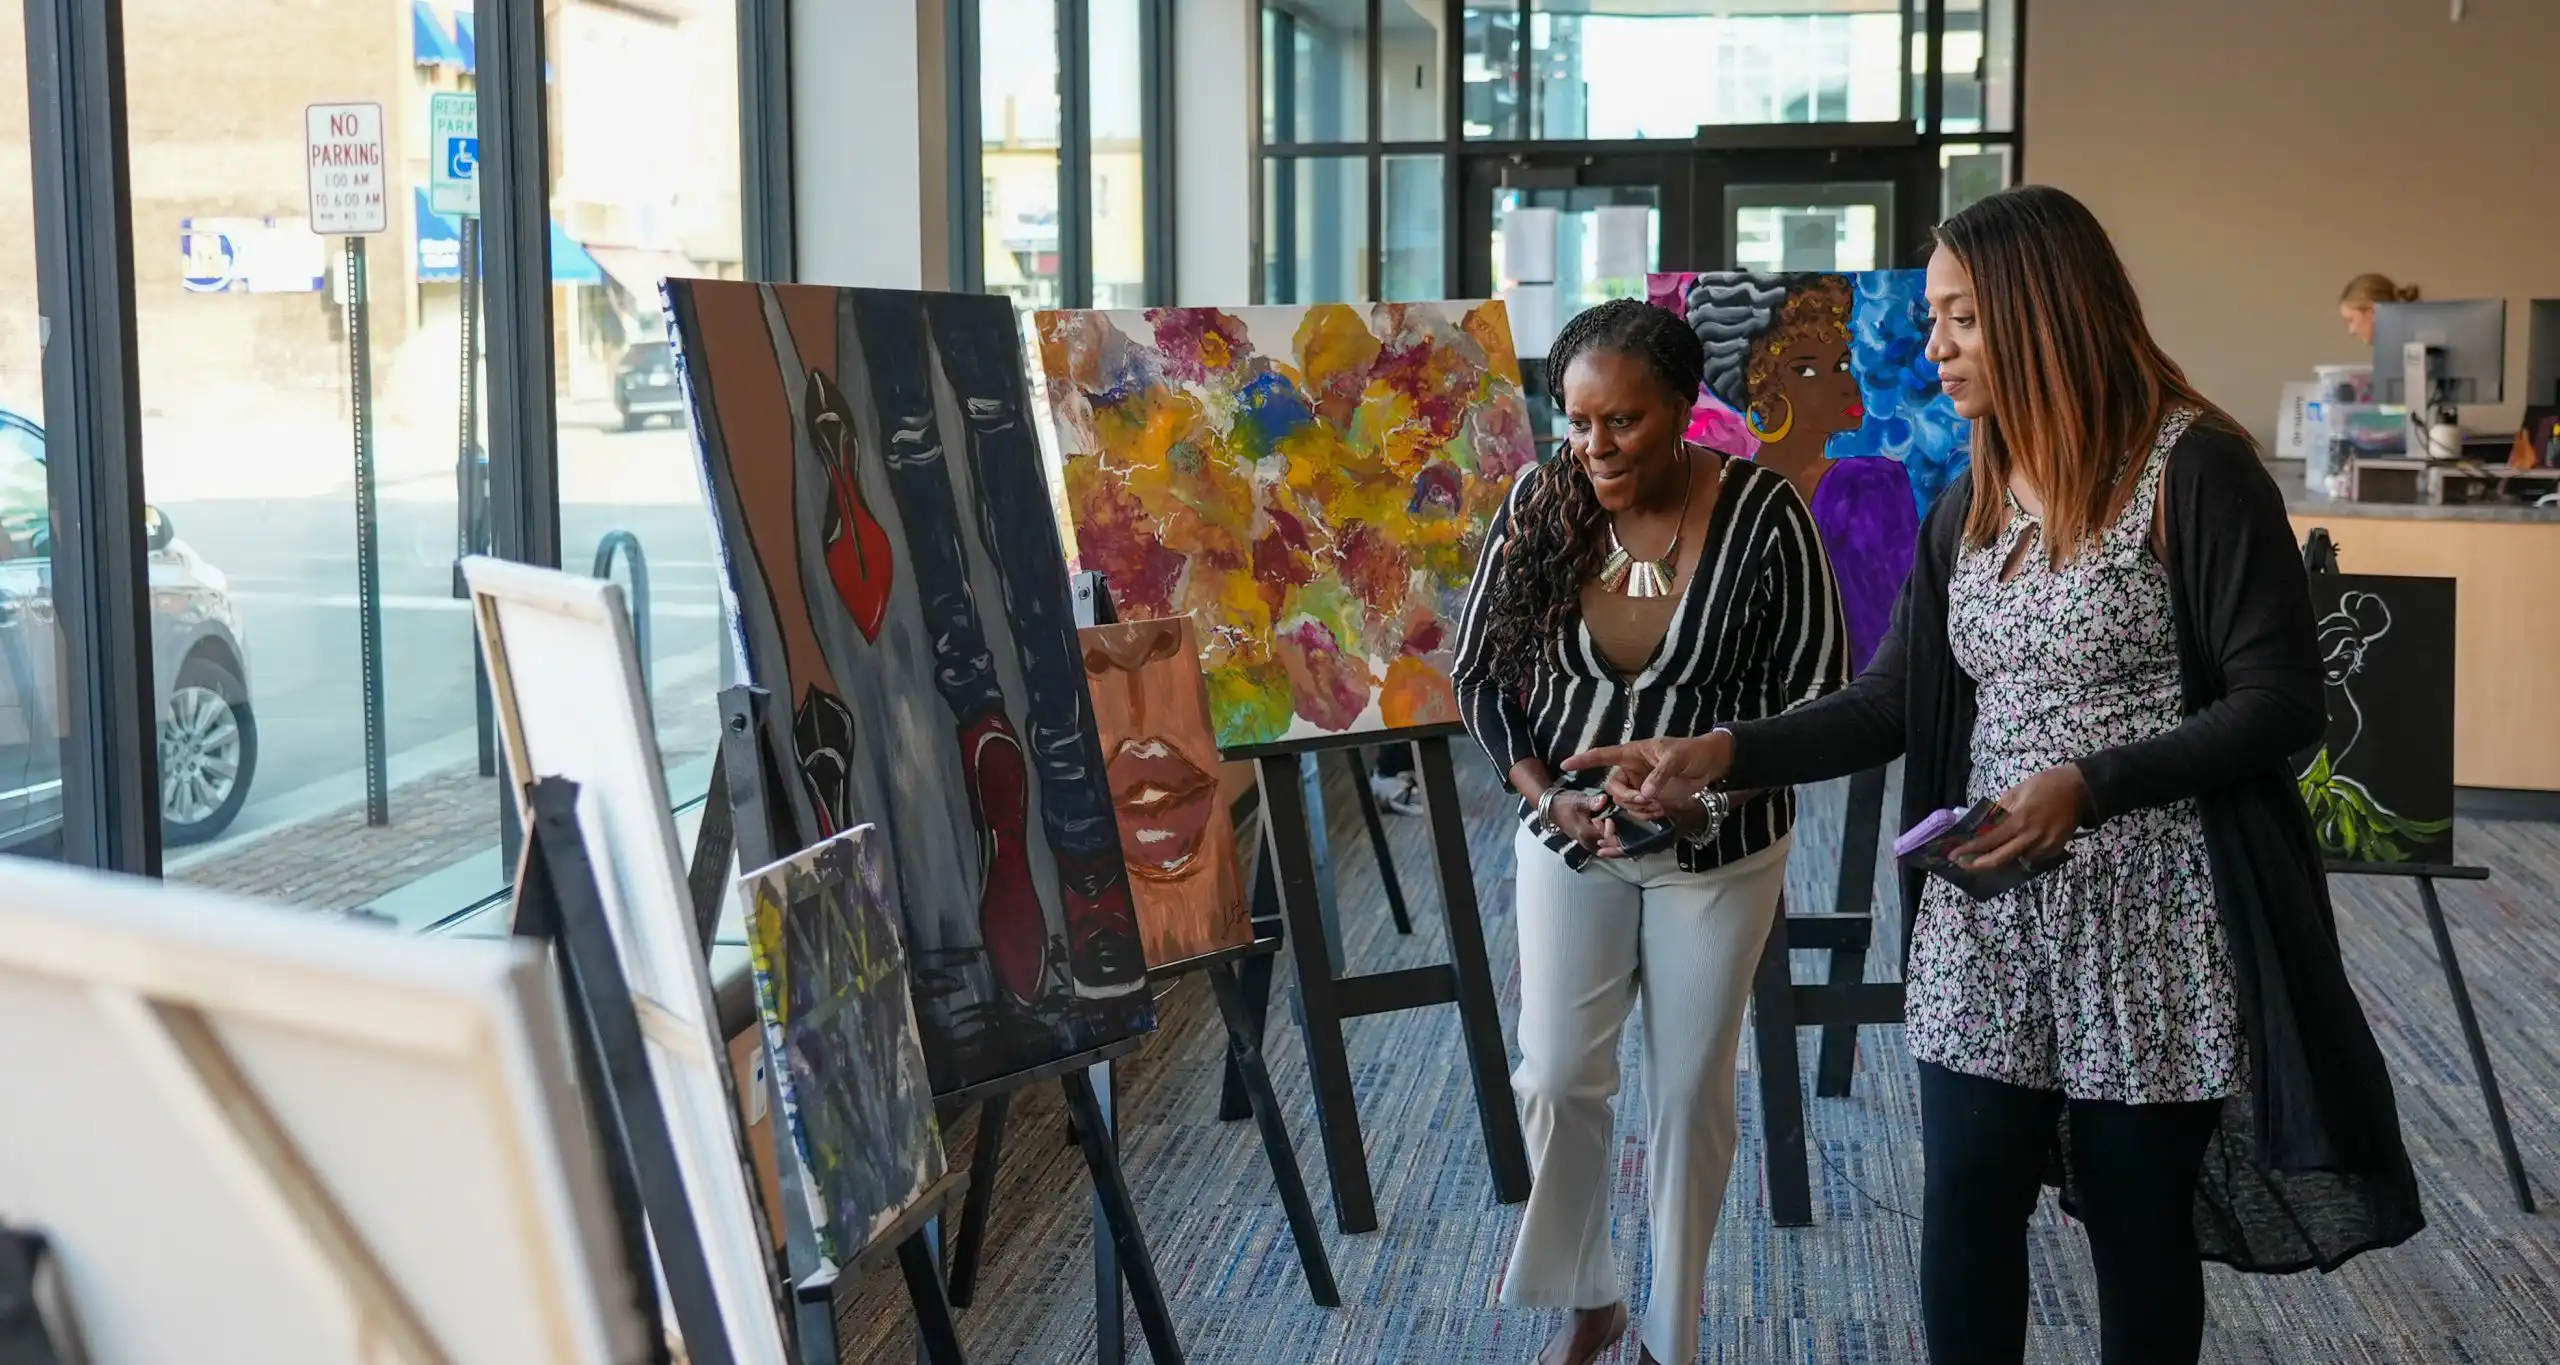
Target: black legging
point(2135, 1168)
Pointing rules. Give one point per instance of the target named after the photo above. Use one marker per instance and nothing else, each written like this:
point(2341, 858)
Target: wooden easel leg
point(2479, 1049)
point(1112, 1189)
point(1479, 1016)
point(1244, 1050)
point(1255, 975)
point(1286, 847)
point(1110, 1327)
point(936, 1334)
point(1773, 1032)
point(1386, 857)
point(983, 1162)
point(1855, 894)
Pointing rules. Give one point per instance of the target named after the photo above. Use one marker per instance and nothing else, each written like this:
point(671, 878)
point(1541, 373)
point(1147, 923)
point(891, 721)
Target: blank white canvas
point(571, 704)
point(427, 1083)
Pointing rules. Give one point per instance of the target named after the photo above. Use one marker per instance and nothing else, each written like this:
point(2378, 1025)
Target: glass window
point(244, 350)
point(32, 716)
point(1119, 232)
point(1981, 51)
point(1834, 226)
point(1968, 173)
point(1409, 90)
point(1416, 242)
point(1315, 71)
point(1491, 52)
point(1315, 225)
point(1665, 75)
point(1019, 126)
point(645, 185)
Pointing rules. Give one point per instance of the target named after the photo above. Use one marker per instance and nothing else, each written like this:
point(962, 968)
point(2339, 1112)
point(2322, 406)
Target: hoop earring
point(1751, 419)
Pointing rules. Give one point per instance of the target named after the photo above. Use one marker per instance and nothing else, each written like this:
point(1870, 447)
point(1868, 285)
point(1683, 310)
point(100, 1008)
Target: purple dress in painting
point(1870, 525)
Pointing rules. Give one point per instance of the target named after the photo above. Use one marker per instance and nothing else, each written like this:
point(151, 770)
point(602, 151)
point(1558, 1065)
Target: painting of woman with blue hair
point(1823, 377)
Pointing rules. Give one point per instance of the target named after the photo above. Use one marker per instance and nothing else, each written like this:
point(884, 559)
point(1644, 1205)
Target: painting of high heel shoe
point(885, 525)
point(857, 549)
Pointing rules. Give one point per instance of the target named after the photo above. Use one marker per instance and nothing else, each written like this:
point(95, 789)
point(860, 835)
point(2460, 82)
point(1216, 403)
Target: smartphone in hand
point(1930, 846)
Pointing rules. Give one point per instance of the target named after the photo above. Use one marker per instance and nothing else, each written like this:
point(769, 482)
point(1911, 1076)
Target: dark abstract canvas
point(1825, 378)
point(2380, 785)
point(831, 983)
point(902, 593)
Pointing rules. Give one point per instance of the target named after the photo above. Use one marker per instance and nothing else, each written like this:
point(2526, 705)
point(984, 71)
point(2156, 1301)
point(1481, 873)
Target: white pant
point(1591, 944)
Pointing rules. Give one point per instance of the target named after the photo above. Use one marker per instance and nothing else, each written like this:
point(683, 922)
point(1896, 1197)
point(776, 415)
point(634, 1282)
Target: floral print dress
point(2109, 978)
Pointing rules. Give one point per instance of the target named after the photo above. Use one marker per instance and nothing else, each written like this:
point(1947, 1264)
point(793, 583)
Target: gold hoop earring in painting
point(1751, 418)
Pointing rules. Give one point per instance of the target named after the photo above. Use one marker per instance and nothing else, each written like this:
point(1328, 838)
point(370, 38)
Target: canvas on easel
point(1162, 755)
point(250, 1134)
point(831, 986)
point(2379, 784)
point(1312, 483)
point(885, 527)
point(565, 676)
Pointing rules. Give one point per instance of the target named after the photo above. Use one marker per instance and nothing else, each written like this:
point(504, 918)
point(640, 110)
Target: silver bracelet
point(1546, 804)
point(1718, 807)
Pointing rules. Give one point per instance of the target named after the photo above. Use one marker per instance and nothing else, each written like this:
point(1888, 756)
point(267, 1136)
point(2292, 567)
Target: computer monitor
point(2470, 337)
point(2542, 354)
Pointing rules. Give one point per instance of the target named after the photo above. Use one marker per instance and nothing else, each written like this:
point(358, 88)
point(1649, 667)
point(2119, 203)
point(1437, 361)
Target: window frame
point(966, 178)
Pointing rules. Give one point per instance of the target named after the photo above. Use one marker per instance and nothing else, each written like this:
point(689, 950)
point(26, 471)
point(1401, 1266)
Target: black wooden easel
point(1329, 995)
point(1838, 1005)
point(1244, 1058)
point(557, 903)
point(766, 823)
point(2426, 875)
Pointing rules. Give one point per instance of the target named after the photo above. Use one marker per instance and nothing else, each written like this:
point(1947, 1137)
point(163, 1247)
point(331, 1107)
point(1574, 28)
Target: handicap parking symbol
point(462, 158)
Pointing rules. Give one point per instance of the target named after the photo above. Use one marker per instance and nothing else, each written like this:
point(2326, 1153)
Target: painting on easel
point(1825, 378)
point(2380, 784)
point(1311, 483)
point(831, 984)
point(902, 592)
point(1153, 707)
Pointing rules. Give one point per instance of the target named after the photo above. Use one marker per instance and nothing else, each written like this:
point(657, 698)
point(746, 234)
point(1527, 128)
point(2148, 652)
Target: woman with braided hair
point(1778, 353)
point(1635, 586)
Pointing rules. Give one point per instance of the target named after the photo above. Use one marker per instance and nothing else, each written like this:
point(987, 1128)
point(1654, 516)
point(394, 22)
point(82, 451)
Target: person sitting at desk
point(2355, 303)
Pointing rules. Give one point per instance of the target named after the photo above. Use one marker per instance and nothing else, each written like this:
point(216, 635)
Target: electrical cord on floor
point(1863, 1193)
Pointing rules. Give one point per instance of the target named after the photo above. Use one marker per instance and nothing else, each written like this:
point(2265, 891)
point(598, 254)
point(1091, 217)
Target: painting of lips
point(1151, 703)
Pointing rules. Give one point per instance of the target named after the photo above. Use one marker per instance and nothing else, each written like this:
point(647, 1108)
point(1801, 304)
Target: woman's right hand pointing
point(1656, 774)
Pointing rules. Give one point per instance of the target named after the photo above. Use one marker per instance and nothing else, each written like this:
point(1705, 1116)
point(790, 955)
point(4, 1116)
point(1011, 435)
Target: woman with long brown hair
point(2108, 632)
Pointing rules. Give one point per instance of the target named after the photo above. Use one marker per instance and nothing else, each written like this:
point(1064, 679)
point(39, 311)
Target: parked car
point(644, 386)
point(200, 672)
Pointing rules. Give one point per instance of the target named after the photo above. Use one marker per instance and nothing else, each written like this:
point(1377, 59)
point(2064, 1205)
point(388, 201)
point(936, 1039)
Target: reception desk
point(2506, 560)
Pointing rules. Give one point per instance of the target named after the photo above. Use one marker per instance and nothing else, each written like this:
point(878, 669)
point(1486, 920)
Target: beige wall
point(2249, 156)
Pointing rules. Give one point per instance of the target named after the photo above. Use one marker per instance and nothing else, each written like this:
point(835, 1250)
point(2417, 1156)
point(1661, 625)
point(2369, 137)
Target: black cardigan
point(2308, 1168)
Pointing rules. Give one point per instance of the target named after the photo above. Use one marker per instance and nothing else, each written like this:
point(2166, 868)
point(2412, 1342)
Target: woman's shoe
point(1586, 1336)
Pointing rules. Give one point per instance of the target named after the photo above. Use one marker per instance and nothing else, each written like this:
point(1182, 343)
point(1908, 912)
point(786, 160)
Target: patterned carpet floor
point(2482, 1284)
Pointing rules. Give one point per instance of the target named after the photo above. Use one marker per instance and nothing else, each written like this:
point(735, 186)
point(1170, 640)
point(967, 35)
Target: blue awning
point(466, 38)
point(440, 250)
point(570, 263)
point(429, 43)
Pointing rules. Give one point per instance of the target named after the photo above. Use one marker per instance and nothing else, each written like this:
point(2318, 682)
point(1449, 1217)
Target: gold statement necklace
point(1623, 573)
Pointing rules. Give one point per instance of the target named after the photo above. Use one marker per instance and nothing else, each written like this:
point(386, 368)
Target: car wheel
point(633, 421)
point(208, 753)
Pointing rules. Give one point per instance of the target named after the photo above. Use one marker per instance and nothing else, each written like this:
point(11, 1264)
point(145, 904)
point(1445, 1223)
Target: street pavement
point(290, 555)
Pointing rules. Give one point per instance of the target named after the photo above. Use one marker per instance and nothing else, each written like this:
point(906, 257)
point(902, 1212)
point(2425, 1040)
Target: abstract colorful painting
point(901, 592)
point(1309, 484)
point(1153, 708)
point(831, 983)
point(2380, 784)
point(1826, 378)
